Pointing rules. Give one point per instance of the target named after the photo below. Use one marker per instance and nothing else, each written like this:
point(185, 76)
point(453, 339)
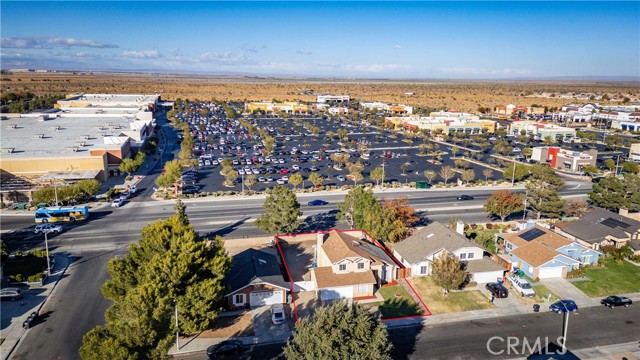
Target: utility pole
point(55, 190)
point(524, 210)
point(383, 165)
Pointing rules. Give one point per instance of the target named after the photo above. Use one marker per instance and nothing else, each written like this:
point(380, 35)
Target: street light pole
point(383, 165)
point(513, 176)
point(177, 326)
point(243, 183)
point(524, 211)
point(46, 246)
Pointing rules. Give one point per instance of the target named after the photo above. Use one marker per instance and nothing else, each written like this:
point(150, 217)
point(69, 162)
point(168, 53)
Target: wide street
point(588, 329)
point(77, 304)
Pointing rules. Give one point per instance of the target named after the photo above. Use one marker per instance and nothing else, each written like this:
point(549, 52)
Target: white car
point(50, 228)
point(262, 179)
point(241, 171)
point(521, 286)
point(281, 182)
point(117, 202)
point(295, 167)
point(341, 178)
point(516, 149)
point(285, 178)
point(277, 314)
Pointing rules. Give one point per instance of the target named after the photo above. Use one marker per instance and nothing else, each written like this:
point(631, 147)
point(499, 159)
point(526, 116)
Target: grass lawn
point(394, 306)
point(456, 301)
point(25, 265)
point(613, 278)
point(540, 297)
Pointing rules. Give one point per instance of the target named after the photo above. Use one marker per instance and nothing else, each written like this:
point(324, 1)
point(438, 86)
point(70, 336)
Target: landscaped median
point(614, 278)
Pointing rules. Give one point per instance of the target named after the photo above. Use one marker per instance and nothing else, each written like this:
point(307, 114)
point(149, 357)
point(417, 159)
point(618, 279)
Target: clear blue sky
point(342, 39)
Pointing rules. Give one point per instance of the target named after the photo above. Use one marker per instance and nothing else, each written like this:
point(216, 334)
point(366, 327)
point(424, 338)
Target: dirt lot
point(230, 326)
point(460, 95)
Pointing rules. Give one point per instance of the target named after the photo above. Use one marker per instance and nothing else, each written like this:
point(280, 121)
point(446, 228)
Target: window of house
point(238, 299)
point(342, 267)
point(470, 256)
point(363, 288)
point(423, 270)
point(360, 265)
point(463, 256)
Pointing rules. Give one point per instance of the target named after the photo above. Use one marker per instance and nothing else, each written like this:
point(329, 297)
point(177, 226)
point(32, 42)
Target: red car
point(284, 171)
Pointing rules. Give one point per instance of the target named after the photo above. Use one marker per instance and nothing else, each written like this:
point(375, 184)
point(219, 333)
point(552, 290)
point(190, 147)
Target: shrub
point(35, 278)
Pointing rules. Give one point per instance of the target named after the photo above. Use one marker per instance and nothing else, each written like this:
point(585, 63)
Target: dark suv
point(498, 290)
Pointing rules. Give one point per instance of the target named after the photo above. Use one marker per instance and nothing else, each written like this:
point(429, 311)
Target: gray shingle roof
point(254, 266)
point(428, 240)
point(482, 265)
point(590, 227)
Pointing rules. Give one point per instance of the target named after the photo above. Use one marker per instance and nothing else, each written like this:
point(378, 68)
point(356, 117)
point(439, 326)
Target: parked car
point(613, 301)
point(117, 202)
point(521, 286)
point(498, 290)
point(341, 178)
point(50, 228)
point(12, 294)
point(465, 197)
point(317, 202)
point(223, 348)
point(561, 306)
point(277, 314)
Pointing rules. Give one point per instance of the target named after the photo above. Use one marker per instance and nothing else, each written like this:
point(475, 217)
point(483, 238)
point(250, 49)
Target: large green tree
point(522, 171)
point(281, 212)
point(613, 192)
point(170, 266)
point(340, 331)
point(503, 203)
point(356, 204)
point(542, 192)
point(447, 272)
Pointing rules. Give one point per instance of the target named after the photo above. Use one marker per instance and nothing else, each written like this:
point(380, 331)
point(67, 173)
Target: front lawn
point(456, 301)
point(397, 306)
point(613, 278)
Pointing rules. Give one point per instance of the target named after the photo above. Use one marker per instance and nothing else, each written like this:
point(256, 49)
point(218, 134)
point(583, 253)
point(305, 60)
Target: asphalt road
point(76, 307)
point(589, 328)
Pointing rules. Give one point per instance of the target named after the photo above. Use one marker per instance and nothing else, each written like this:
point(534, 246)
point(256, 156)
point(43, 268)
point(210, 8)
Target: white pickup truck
point(521, 286)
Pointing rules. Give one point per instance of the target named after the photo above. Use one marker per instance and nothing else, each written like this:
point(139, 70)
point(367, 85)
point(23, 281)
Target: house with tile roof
point(418, 251)
point(600, 227)
point(541, 253)
point(349, 264)
point(255, 279)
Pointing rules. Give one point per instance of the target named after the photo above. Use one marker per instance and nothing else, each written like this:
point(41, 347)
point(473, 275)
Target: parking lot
point(307, 144)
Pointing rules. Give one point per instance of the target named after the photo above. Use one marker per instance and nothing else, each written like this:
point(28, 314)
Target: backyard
point(455, 301)
point(613, 278)
point(397, 306)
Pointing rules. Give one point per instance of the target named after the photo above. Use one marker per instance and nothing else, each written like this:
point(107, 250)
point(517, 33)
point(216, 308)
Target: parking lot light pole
point(513, 176)
point(243, 184)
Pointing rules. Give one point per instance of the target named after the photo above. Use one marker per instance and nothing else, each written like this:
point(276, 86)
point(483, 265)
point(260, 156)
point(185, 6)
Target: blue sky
point(331, 39)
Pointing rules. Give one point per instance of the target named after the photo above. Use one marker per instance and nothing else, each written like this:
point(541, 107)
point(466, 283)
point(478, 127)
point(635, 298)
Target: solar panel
point(532, 234)
point(612, 223)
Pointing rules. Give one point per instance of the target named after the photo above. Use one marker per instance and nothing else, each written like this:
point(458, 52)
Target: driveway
point(508, 302)
point(264, 329)
point(565, 290)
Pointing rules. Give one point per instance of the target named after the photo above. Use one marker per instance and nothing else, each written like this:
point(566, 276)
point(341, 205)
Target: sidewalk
point(33, 300)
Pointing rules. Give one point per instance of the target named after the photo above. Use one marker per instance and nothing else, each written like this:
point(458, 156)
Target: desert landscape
point(451, 94)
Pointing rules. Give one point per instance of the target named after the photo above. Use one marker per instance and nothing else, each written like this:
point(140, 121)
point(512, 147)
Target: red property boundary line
point(276, 239)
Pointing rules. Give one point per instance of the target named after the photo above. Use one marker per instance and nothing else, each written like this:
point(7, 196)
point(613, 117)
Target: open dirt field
point(459, 95)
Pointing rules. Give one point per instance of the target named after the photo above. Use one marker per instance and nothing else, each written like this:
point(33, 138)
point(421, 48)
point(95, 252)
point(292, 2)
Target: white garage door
point(487, 276)
point(336, 293)
point(265, 298)
point(550, 272)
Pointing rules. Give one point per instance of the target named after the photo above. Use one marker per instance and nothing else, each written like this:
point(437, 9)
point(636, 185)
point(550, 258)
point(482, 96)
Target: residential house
point(255, 279)
point(541, 253)
point(418, 252)
point(349, 264)
point(600, 227)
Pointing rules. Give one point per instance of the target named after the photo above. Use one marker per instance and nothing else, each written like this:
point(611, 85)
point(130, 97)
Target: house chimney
point(623, 211)
point(460, 227)
point(319, 242)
